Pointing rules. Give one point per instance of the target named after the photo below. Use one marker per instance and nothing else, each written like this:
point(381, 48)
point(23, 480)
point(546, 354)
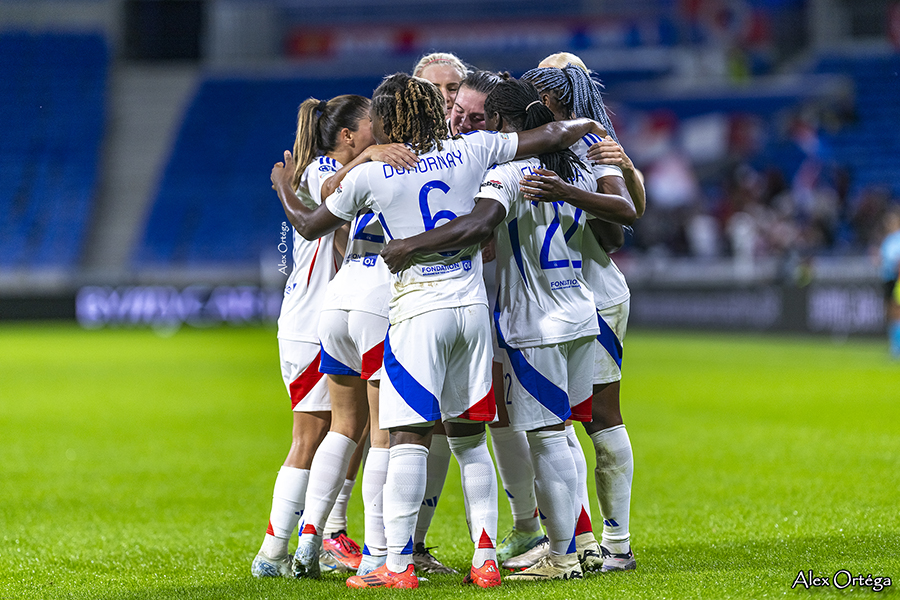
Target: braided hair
point(519, 104)
point(576, 89)
point(412, 112)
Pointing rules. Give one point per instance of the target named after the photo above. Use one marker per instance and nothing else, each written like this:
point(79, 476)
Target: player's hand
point(488, 249)
point(282, 173)
point(398, 156)
point(544, 186)
point(608, 152)
point(396, 255)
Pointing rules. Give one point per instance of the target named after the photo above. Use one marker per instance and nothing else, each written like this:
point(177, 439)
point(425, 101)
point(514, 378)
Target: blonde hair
point(561, 59)
point(440, 58)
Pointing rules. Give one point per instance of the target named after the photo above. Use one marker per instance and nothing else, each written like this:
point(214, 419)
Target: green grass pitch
point(140, 466)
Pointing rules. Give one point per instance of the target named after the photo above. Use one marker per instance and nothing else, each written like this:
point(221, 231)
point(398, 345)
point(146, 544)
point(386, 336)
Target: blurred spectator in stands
point(867, 215)
point(671, 183)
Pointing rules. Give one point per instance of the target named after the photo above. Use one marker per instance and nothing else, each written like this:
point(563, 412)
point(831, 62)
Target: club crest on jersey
point(289, 288)
point(467, 265)
point(369, 261)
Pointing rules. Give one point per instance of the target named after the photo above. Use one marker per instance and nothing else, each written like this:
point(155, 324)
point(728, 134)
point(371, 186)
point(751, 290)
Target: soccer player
point(544, 313)
point(468, 107)
point(571, 91)
point(339, 128)
point(889, 255)
point(351, 329)
point(436, 357)
point(446, 71)
point(510, 447)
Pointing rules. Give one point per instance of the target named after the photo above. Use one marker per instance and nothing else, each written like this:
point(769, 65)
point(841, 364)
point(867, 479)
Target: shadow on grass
point(692, 570)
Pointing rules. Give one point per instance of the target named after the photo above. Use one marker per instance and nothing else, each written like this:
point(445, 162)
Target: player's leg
point(414, 370)
point(374, 552)
point(467, 403)
point(540, 405)
point(581, 359)
point(892, 304)
point(513, 459)
point(468, 441)
point(435, 476)
point(329, 467)
point(343, 553)
point(349, 417)
point(615, 461)
point(372, 330)
point(307, 390)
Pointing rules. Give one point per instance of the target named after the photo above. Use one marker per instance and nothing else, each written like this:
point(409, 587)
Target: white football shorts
point(546, 385)
point(306, 386)
point(437, 366)
point(608, 347)
point(352, 343)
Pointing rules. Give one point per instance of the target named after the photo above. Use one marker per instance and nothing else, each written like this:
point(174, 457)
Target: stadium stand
point(870, 145)
point(52, 115)
point(214, 204)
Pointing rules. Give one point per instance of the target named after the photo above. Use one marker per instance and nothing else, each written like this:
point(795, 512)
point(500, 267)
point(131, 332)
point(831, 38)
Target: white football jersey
point(542, 296)
point(601, 273)
point(314, 264)
point(408, 202)
point(363, 282)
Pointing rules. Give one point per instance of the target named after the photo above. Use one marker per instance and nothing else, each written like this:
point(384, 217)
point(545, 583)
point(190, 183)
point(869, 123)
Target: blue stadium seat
point(215, 204)
point(52, 114)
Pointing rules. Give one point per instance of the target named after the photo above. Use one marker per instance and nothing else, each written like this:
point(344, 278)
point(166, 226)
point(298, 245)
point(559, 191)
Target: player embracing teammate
point(437, 349)
point(437, 357)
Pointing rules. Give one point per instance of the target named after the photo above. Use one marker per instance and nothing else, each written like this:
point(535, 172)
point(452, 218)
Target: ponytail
point(305, 141)
point(318, 124)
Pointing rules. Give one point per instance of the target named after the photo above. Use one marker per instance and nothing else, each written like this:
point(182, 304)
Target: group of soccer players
point(474, 213)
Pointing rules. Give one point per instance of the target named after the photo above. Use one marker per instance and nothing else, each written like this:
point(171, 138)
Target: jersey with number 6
point(542, 297)
point(408, 202)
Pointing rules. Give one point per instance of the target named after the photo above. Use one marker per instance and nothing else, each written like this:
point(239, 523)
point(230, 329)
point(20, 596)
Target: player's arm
point(341, 237)
point(398, 156)
point(611, 205)
point(555, 136)
point(310, 224)
point(610, 236)
point(608, 152)
point(461, 232)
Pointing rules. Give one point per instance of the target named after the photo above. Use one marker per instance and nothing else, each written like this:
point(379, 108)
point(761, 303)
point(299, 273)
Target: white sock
point(582, 500)
point(435, 474)
point(614, 472)
point(337, 518)
point(479, 485)
point(554, 482)
point(404, 489)
point(326, 478)
point(517, 475)
point(374, 475)
point(288, 496)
